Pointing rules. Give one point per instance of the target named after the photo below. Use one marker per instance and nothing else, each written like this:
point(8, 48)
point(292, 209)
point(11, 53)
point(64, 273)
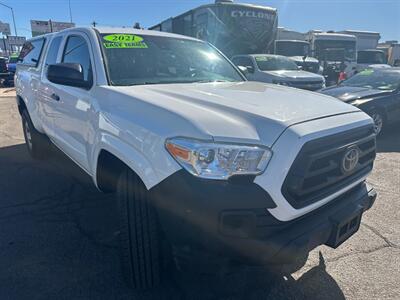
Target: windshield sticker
point(115, 41)
point(261, 58)
point(367, 72)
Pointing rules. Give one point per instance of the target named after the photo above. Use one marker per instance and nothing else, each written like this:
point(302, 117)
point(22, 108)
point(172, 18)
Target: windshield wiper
point(172, 82)
point(209, 81)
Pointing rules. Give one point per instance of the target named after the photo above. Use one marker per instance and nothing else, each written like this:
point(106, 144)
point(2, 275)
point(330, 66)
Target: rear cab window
point(52, 53)
point(31, 52)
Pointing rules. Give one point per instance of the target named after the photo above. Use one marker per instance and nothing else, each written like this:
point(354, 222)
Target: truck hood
point(351, 93)
point(295, 75)
point(244, 111)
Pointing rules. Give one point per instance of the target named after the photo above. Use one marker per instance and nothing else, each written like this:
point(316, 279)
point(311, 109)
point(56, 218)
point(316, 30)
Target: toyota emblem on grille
point(350, 159)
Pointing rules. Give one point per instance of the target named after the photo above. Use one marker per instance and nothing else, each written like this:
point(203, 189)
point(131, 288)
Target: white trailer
point(287, 34)
point(365, 39)
point(392, 52)
point(336, 52)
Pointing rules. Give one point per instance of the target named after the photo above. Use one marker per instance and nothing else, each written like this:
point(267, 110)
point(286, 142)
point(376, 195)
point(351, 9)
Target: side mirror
point(70, 74)
point(250, 69)
point(243, 70)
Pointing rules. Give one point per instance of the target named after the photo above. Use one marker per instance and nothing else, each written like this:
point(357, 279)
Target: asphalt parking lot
point(58, 237)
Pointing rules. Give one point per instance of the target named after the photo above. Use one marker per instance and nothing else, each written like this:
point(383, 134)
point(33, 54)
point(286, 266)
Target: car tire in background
point(379, 118)
point(38, 144)
point(140, 236)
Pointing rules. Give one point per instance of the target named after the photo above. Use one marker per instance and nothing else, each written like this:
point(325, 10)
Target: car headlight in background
point(218, 160)
point(358, 102)
point(280, 83)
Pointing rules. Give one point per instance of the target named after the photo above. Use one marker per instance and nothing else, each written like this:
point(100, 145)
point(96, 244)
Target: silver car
point(279, 70)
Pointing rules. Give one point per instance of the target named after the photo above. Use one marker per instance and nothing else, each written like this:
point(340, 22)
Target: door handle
point(55, 97)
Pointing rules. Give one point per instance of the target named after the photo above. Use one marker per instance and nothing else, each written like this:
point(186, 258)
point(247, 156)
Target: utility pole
point(70, 11)
point(51, 26)
point(13, 17)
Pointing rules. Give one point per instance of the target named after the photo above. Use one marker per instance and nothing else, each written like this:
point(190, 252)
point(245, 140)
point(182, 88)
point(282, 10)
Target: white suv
point(204, 164)
point(279, 70)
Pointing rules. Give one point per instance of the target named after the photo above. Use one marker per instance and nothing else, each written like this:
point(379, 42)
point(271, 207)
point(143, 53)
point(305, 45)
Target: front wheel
point(140, 236)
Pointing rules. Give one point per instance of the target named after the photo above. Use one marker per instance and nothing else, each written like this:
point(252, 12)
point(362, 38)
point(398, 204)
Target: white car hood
point(296, 75)
point(244, 111)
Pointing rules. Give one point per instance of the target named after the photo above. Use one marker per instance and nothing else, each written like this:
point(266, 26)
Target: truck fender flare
point(130, 156)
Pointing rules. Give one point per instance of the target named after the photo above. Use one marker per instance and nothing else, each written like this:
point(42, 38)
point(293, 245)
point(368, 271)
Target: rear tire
point(38, 144)
point(140, 237)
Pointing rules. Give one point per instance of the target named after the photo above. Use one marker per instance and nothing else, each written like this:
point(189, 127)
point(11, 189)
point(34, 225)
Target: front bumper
point(230, 220)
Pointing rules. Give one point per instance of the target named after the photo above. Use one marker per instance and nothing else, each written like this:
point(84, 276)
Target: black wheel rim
point(28, 134)
point(378, 122)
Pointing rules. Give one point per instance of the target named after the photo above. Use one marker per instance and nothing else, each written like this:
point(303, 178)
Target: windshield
point(270, 63)
point(333, 50)
point(290, 48)
point(134, 60)
point(375, 80)
point(371, 57)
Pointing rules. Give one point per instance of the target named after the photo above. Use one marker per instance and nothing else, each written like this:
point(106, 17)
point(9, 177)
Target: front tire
point(140, 236)
point(37, 143)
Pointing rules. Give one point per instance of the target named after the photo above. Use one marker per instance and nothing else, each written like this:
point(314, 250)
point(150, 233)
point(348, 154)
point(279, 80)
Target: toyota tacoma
point(204, 164)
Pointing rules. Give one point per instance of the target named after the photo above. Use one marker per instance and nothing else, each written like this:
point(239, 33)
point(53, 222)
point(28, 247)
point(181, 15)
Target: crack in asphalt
point(388, 244)
point(380, 235)
point(75, 219)
point(11, 137)
point(340, 257)
point(382, 189)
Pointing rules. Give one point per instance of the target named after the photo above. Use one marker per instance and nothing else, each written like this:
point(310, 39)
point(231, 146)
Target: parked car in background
point(3, 69)
point(12, 63)
point(375, 91)
point(7, 70)
point(11, 67)
point(371, 58)
point(299, 52)
point(279, 70)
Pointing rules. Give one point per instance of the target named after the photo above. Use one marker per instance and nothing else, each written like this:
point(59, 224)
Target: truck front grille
point(320, 169)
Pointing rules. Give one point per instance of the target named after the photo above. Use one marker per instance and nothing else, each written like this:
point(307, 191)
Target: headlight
point(217, 160)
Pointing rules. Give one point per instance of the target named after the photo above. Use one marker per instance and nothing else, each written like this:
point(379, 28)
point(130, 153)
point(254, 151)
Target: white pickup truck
point(204, 164)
